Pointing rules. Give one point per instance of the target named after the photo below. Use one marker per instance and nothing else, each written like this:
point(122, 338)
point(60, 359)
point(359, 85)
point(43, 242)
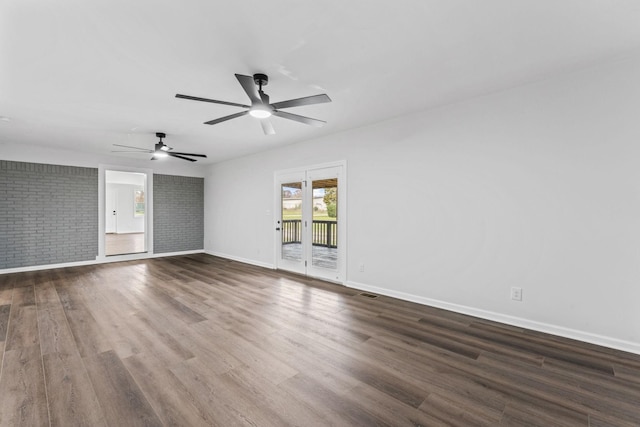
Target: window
point(138, 202)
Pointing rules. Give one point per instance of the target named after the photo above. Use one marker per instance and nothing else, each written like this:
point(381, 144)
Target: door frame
point(148, 223)
point(341, 273)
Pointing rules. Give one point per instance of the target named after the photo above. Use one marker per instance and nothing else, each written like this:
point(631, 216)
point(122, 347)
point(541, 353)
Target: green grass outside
point(297, 214)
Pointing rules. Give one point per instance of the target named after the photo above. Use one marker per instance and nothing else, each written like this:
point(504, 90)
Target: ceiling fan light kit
point(260, 107)
point(259, 112)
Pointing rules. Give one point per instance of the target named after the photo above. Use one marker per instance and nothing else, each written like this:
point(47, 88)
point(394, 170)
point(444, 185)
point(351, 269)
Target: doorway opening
point(311, 213)
point(125, 213)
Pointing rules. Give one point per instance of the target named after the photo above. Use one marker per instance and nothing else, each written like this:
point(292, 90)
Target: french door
point(310, 218)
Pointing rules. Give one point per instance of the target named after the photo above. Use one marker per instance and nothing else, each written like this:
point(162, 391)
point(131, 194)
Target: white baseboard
point(243, 260)
point(197, 251)
point(104, 260)
point(629, 346)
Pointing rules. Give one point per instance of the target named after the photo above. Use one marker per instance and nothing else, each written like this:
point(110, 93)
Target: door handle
point(278, 229)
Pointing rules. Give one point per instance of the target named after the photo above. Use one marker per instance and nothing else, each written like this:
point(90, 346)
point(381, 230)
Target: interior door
point(111, 211)
point(309, 222)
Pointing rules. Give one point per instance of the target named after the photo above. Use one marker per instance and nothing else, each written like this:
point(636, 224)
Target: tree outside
point(331, 200)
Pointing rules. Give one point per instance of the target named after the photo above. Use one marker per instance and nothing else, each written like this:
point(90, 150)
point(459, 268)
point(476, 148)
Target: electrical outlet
point(362, 267)
point(516, 293)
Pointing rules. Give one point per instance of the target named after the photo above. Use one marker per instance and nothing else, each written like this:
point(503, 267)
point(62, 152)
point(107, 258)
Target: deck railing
point(323, 233)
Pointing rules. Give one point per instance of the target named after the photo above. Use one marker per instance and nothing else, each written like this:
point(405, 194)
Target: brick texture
point(48, 214)
point(178, 213)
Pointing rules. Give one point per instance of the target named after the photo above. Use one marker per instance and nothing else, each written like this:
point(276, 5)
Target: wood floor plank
point(521, 414)
point(130, 330)
point(6, 295)
point(4, 321)
point(607, 420)
point(337, 410)
point(208, 349)
point(24, 295)
point(46, 295)
point(627, 374)
point(434, 377)
point(528, 345)
point(24, 401)
point(55, 335)
point(491, 387)
point(174, 404)
point(585, 399)
point(349, 363)
point(595, 381)
point(70, 294)
point(176, 308)
point(458, 413)
point(121, 399)
point(272, 398)
point(72, 400)
point(89, 337)
point(23, 327)
point(227, 408)
point(390, 411)
point(304, 359)
point(252, 356)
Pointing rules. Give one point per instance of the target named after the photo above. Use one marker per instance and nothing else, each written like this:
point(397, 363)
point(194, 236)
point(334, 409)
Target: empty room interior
point(420, 213)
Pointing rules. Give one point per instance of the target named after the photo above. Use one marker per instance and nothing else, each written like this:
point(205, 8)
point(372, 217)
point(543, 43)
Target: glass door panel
point(291, 221)
point(325, 235)
point(324, 230)
point(291, 251)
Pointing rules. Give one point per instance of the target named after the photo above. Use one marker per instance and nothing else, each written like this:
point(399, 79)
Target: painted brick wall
point(48, 214)
point(178, 213)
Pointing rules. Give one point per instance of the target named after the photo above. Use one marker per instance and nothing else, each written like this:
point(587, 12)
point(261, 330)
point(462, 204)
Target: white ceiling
point(84, 75)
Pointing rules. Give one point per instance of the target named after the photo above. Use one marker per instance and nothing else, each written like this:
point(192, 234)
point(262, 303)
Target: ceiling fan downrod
point(260, 80)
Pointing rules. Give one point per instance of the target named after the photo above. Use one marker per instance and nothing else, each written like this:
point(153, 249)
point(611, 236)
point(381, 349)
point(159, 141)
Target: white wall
point(536, 187)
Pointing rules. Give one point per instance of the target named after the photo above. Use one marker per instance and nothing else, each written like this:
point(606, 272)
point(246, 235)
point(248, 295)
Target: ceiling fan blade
point(267, 127)
point(137, 148)
point(249, 87)
point(225, 118)
point(301, 119)
point(308, 100)
point(189, 154)
point(197, 98)
point(139, 152)
point(181, 157)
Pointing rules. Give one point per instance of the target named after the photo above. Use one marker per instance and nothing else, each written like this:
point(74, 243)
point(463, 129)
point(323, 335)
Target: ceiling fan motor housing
point(261, 79)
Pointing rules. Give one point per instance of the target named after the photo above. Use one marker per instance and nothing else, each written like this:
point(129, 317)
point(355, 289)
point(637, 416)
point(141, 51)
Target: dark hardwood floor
point(198, 340)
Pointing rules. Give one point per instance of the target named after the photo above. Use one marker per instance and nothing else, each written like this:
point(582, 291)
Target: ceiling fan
point(161, 150)
point(260, 106)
